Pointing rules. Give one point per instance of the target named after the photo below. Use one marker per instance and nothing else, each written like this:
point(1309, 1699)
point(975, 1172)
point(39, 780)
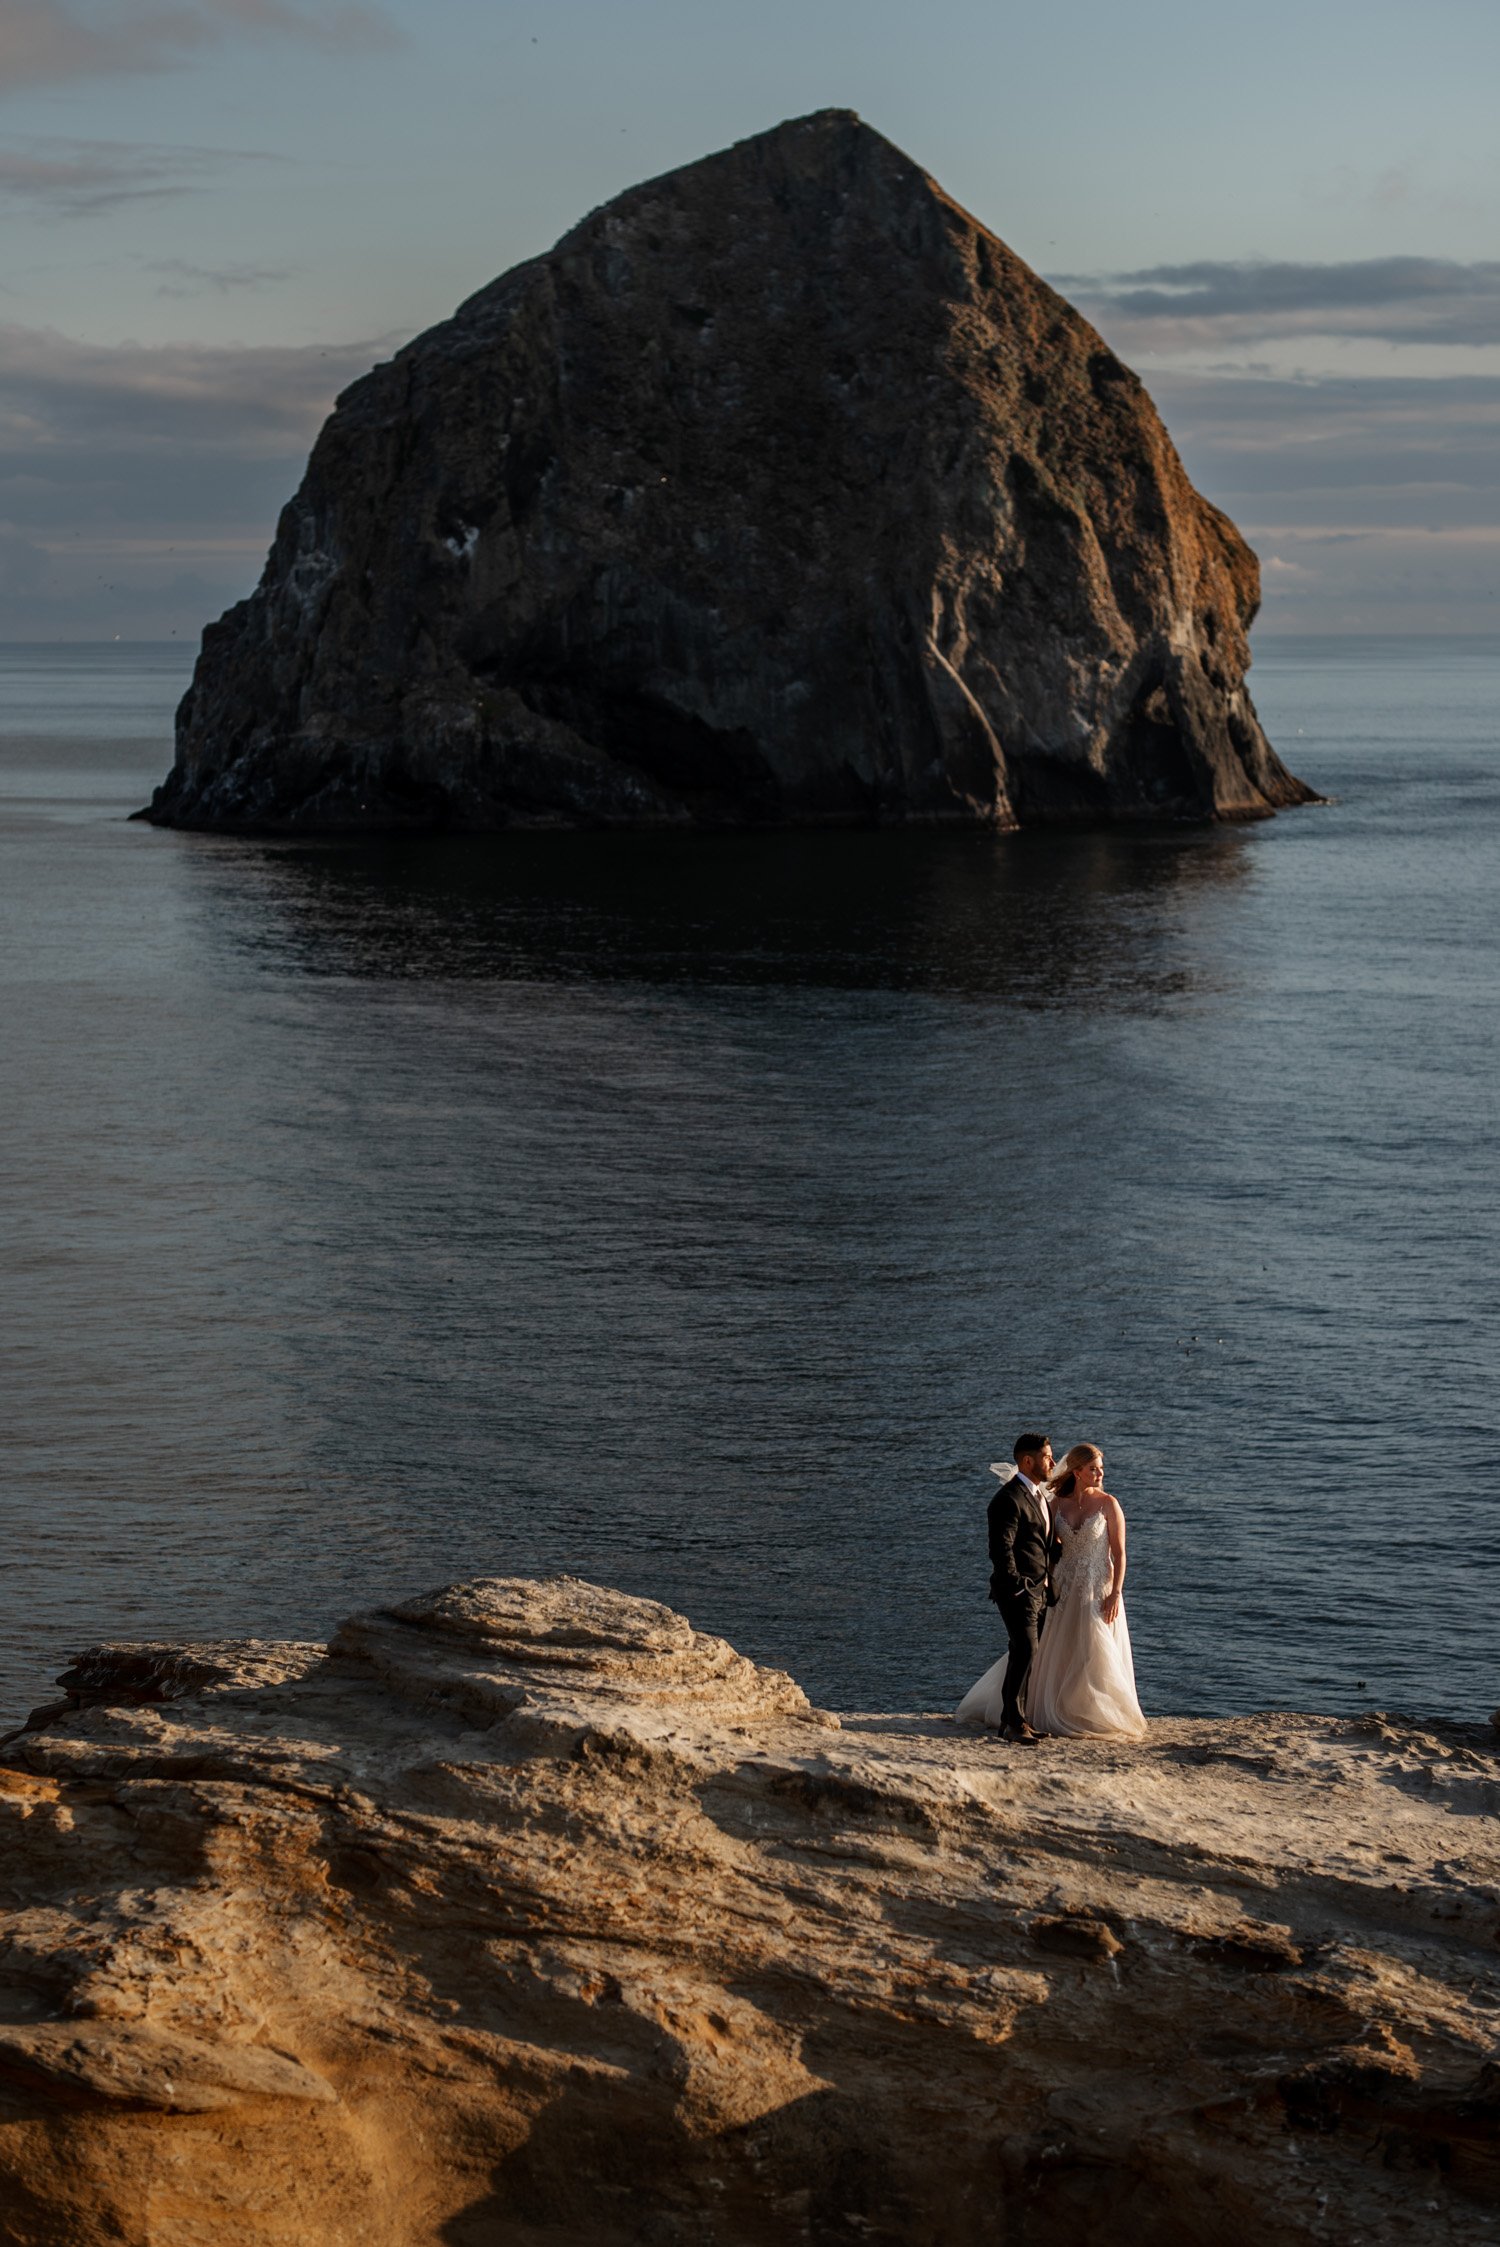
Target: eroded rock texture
point(779, 490)
point(525, 1913)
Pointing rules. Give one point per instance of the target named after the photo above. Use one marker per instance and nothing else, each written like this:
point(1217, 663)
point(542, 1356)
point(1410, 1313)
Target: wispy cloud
point(60, 396)
point(80, 178)
point(139, 486)
point(23, 563)
point(1380, 450)
point(44, 41)
point(1390, 299)
point(1374, 503)
point(186, 279)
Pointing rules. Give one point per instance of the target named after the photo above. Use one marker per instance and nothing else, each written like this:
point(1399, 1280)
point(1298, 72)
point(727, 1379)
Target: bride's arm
point(1114, 1521)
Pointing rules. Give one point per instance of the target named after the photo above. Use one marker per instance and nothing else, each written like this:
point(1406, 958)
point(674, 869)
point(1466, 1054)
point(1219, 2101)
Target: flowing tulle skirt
point(1083, 1678)
point(1082, 1681)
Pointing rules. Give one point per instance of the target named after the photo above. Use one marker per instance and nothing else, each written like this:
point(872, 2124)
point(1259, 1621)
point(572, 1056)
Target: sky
point(217, 212)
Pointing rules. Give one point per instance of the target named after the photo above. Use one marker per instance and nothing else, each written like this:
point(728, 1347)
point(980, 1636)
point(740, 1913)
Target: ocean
point(702, 1215)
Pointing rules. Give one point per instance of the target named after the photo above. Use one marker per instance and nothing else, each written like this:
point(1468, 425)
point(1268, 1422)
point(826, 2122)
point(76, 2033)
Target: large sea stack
point(780, 491)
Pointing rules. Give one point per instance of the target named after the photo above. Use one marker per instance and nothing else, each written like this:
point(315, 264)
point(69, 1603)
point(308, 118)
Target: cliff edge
point(779, 491)
point(526, 1912)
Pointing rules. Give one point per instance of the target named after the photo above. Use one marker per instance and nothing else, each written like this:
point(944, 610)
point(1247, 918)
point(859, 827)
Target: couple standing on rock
point(1057, 1557)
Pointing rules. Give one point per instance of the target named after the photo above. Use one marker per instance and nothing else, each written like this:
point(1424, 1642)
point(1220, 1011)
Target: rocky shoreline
point(525, 1912)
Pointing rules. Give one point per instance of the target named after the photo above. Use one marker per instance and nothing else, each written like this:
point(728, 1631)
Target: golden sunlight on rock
point(525, 1912)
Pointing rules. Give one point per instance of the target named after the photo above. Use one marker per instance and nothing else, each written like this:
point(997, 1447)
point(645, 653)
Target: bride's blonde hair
point(1062, 1480)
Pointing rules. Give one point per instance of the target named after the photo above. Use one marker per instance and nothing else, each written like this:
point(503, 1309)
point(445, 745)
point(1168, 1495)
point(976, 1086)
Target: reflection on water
point(1108, 919)
point(703, 1214)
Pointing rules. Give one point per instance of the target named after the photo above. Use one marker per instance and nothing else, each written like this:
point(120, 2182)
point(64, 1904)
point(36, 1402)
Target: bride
point(1083, 1678)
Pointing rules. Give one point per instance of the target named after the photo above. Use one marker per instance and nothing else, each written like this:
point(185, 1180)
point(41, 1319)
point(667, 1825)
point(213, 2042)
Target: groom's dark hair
point(1028, 1445)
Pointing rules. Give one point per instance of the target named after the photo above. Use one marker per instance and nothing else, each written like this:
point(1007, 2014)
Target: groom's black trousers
point(1023, 1627)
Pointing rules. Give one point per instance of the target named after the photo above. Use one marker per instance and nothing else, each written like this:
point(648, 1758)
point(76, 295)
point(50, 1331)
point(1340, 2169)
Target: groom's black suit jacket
point(1021, 1546)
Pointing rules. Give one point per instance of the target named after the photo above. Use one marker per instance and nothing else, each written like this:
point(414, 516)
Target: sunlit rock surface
point(781, 490)
point(524, 1912)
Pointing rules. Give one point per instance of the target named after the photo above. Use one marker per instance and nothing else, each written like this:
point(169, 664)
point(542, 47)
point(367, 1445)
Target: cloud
point(185, 279)
point(1411, 453)
point(61, 399)
point(1374, 503)
point(45, 41)
point(140, 485)
point(1382, 581)
point(79, 178)
point(1390, 299)
point(23, 563)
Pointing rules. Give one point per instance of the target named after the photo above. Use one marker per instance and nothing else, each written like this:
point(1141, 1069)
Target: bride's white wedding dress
point(1083, 1679)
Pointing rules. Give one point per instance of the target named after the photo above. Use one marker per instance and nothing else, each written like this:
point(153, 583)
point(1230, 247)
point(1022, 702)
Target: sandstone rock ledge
point(526, 1913)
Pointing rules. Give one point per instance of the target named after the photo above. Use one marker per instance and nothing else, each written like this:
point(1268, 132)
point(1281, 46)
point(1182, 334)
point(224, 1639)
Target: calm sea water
point(703, 1215)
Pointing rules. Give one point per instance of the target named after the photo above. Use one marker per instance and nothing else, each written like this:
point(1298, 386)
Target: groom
point(1021, 1539)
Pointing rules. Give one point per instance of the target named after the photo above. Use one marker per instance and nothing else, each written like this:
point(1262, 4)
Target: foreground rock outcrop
point(525, 1913)
point(780, 490)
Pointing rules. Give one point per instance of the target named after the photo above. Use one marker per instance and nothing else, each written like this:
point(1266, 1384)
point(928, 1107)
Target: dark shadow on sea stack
point(780, 491)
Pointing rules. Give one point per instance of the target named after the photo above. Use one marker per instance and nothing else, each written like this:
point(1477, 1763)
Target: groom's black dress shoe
point(1022, 1734)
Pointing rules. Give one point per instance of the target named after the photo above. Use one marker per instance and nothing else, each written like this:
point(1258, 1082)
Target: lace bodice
point(1083, 1568)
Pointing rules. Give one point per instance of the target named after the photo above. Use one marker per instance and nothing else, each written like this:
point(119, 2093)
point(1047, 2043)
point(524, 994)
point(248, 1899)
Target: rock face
point(526, 1913)
point(779, 491)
